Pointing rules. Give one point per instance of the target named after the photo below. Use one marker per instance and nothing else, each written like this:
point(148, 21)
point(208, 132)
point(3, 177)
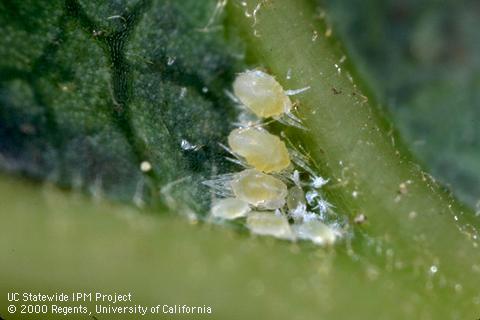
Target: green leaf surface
point(103, 86)
point(90, 90)
point(419, 228)
point(422, 60)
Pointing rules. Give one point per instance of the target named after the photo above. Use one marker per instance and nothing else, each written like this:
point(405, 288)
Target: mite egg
point(269, 224)
point(230, 208)
point(261, 93)
point(259, 189)
point(262, 150)
point(315, 231)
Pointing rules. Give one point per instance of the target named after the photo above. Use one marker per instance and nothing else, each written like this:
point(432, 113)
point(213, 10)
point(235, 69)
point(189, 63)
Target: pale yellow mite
point(259, 189)
point(262, 150)
point(315, 231)
point(230, 208)
point(261, 93)
point(269, 224)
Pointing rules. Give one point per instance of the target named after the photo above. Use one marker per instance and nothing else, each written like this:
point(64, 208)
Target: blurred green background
point(422, 60)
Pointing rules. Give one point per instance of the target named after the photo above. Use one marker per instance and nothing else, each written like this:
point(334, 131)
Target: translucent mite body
point(269, 224)
point(261, 93)
point(315, 231)
point(262, 150)
point(230, 208)
point(259, 189)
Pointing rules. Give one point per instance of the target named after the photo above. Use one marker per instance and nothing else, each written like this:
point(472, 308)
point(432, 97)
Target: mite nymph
point(315, 231)
point(259, 189)
point(269, 224)
point(261, 93)
point(230, 208)
point(262, 150)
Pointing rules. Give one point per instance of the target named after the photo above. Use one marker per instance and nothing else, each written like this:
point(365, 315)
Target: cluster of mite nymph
point(278, 193)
